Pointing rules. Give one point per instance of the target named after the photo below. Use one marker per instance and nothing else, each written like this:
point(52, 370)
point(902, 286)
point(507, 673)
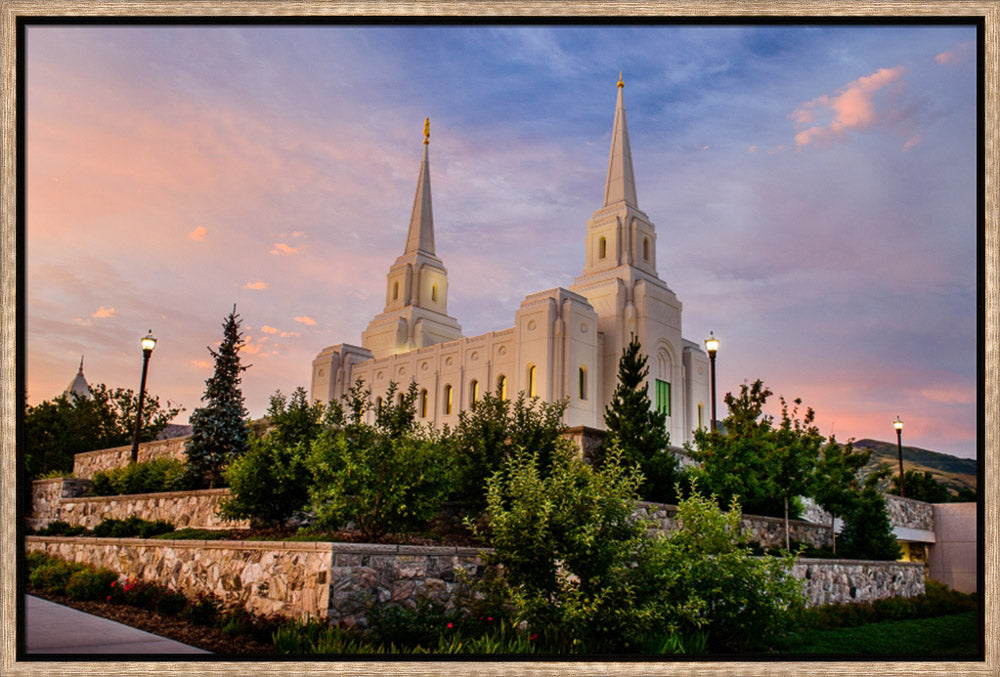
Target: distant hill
point(951, 471)
point(174, 430)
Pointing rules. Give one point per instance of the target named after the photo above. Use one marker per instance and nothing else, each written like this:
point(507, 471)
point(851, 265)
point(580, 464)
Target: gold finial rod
point(621, 83)
point(427, 131)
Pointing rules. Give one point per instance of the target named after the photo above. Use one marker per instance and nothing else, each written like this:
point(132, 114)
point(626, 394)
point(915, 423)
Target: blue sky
point(813, 190)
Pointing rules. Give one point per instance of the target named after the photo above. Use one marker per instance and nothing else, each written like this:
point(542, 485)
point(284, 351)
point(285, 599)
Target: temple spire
point(421, 233)
point(620, 186)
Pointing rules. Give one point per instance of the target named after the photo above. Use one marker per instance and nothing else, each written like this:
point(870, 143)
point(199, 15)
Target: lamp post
point(898, 425)
point(148, 343)
point(712, 346)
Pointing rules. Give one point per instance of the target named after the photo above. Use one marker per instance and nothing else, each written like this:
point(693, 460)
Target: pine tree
point(219, 429)
point(641, 432)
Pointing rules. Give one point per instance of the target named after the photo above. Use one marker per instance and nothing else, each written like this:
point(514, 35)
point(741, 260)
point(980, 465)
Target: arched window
point(395, 290)
point(602, 248)
point(473, 393)
point(583, 383)
point(378, 404)
point(701, 415)
point(423, 403)
point(434, 292)
point(502, 387)
point(645, 248)
point(532, 390)
point(447, 399)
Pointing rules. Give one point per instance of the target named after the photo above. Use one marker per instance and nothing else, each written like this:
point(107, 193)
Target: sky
point(813, 189)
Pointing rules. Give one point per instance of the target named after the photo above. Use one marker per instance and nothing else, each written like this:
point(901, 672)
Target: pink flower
point(533, 637)
point(450, 625)
point(108, 599)
point(113, 583)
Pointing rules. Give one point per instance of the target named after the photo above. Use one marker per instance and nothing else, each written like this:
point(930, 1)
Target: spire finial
point(427, 131)
point(81, 364)
point(621, 83)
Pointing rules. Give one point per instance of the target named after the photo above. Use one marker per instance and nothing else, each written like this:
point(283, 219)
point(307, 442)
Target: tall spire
point(421, 234)
point(620, 186)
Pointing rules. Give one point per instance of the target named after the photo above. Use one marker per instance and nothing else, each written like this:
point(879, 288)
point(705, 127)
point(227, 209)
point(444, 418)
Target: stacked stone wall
point(90, 462)
point(768, 531)
point(180, 508)
point(844, 581)
point(338, 581)
point(47, 497)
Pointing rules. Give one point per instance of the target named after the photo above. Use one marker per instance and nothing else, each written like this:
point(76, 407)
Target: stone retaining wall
point(180, 508)
point(320, 580)
point(337, 581)
point(90, 462)
point(47, 497)
point(827, 581)
point(768, 531)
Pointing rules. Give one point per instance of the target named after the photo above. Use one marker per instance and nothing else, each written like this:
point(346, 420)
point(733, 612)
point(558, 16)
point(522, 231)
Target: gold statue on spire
point(427, 131)
point(621, 83)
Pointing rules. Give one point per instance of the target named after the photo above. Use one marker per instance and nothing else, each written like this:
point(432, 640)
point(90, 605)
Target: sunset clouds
point(852, 108)
point(175, 171)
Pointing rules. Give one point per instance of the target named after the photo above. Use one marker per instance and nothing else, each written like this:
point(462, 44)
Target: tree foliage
point(920, 486)
point(219, 432)
point(497, 429)
point(867, 532)
point(56, 430)
point(383, 477)
point(639, 431)
point(836, 480)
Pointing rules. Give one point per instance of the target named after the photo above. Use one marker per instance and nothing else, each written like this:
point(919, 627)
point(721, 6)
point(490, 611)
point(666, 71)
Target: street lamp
point(898, 425)
point(712, 346)
point(148, 343)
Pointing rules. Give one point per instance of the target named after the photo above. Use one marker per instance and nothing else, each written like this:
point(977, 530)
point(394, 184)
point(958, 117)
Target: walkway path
point(52, 628)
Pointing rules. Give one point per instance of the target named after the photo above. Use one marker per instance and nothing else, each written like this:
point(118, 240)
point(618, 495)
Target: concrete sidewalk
point(51, 628)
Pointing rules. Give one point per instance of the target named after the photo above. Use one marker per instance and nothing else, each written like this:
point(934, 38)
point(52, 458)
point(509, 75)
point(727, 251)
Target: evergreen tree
point(638, 430)
point(836, 482)
point(219, 429)
point(867, 530)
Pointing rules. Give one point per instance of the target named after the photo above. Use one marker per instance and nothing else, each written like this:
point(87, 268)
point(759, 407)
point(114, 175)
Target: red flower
point(450, 625)
point(108, 599)
point(533, 637)
point(113, 583)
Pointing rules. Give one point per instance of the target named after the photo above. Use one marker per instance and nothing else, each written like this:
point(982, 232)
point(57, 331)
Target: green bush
point(53, 575)
point(61, 528)
point(202, 610)
point(157, 475)
point(89, 583)
point(937, 600)
point(132, 526)
point(267, 484)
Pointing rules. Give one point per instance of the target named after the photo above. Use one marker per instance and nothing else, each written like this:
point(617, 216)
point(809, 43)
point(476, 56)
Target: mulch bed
point(209, 638)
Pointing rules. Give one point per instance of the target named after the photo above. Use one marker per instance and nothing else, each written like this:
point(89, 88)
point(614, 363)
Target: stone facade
point(768, 531)
point(180, 508)
point(337, 581)
point(910, 513)
point(90, 462)
point(843, 581)
point(47, 497)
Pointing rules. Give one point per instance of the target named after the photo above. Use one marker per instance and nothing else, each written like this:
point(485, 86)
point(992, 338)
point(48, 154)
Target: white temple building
point(565, 342)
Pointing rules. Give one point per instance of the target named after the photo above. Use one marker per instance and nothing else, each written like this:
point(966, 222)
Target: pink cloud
point(256, 285)
point(914, 141)
point(282, 248)
point(204, 364)
point(198, 234)
point(306, 320)
point(851, 108)
point(269, 330)
point(103, 312)
point(954, 56)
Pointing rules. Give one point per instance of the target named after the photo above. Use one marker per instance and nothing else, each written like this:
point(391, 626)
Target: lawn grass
point(955, 635)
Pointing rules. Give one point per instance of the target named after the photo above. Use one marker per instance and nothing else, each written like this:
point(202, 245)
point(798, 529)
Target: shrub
point(157, 475)
point(202, 610)
point(267, 484)
point(61, 528)
point(132, 526)
point(90, 583)
point(386, 477)
point(53, 575)
point(171, 603)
